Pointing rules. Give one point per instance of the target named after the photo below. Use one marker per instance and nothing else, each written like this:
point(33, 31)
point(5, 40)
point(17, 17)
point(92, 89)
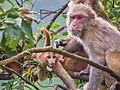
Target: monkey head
point(49, 58)
point(78, 16)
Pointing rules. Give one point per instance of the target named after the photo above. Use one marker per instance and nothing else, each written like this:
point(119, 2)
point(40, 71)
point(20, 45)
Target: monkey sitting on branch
point(99, 38)
point(51, 61)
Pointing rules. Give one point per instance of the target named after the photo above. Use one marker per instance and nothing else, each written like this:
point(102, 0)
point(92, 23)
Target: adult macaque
point(97, 36)
point(95, 4)
point(98, 8)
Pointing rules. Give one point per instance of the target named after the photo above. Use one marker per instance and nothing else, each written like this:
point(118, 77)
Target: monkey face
point(76, 24)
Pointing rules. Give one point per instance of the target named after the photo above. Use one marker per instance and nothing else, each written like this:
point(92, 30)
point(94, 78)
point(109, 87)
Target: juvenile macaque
point(48, 58)
point(45, 58)
point(51, 60)
point(97, 36)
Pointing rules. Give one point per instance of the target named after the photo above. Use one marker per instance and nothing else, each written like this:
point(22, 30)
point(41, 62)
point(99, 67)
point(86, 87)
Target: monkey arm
point(96, 75)
point(73, 46)
point(62, 73)
point(69, 44)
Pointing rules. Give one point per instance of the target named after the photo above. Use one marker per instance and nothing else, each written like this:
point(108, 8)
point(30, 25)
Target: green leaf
point(55, 25)
point(26, 28)
point(27, 46)
point(14, 43)
point(65, 33)
point(13, 13)
point(10, 21)
point(77, 82)
point(14, 32)
point(1, 11)
point(1, 35)
point(105, 2)
point(64, 16)
point(2, 1)
point(4, 26)
point(10, 54)
point(55, 37)
point(1, 55)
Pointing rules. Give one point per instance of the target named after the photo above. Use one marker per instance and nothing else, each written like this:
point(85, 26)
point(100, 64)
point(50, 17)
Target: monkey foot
point(115, 86)
point(84, 72)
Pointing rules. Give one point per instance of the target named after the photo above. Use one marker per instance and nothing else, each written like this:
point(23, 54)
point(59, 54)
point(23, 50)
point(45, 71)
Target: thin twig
point(20, 77)
point(53, 19)
point(59, 30)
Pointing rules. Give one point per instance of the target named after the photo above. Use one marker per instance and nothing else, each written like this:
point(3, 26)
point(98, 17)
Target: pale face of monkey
point(76, 24)
point(77, 19)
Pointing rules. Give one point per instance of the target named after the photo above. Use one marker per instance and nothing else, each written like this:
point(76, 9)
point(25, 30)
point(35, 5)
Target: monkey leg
point(15, 66)
point(113, 61)
point(62, 73)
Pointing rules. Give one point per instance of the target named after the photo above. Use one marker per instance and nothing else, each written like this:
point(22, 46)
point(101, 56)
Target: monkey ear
point(39, 56)
point(59, 57)
point(92, 15)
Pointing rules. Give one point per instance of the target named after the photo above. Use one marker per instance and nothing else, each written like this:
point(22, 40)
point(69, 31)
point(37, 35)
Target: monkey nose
point(74, 25)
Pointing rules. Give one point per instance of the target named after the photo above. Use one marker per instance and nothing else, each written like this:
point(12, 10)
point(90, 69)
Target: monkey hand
point(50, 63)
point(85, 71)
point(61, 42)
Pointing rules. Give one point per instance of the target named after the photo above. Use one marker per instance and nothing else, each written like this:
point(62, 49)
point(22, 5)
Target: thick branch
point(14, 58)
point(76, 57)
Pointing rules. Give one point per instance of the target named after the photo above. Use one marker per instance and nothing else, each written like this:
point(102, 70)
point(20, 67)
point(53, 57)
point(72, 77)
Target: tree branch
point(53, 19)
point(20, 77)
point(65, 53)
point(57, 31)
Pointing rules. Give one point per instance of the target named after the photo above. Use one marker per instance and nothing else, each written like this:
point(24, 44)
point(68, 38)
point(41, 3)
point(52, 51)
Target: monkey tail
point(45, 32)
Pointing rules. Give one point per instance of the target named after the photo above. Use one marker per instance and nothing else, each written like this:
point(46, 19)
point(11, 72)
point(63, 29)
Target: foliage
point(16, 33)
point(113, 9)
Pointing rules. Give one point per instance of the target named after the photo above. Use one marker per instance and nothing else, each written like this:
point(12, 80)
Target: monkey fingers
point(61, 42)
point(85, 71)
point(50, 69)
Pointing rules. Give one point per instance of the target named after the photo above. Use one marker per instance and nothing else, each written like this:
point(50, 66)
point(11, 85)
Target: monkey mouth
point(75, 33)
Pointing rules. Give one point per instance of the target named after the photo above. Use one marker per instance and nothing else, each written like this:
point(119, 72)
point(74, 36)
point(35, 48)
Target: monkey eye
point(54, 56)
point(79, 17)
point(73, 17)
point(48, 57)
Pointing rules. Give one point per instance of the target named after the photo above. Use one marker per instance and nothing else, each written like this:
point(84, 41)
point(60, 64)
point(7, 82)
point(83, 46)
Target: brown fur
point(97, 37)
point(73, 65)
